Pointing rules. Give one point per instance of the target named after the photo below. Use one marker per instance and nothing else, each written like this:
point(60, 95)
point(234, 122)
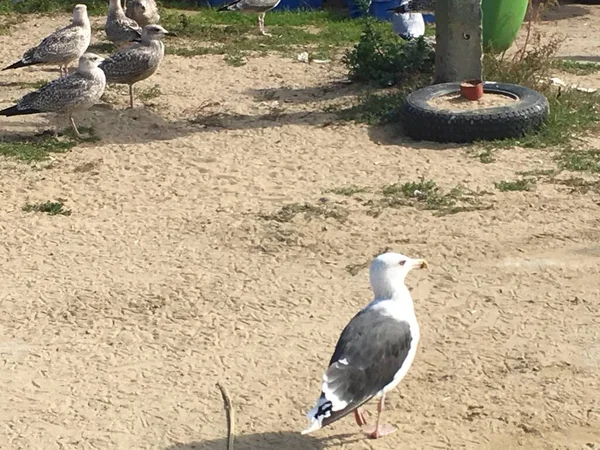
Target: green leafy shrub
point(385, 60)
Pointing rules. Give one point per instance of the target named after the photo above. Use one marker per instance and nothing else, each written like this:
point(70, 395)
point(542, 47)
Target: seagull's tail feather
point(14, 111)
point(323, 414)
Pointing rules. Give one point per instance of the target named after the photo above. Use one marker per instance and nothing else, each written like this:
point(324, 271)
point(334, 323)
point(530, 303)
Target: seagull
point(119, 28)
point(253, 6)
point(137, 62)
point(61, 47)
point(144, 12)
point(66, 95)
point(408, 25)
point(375, 350)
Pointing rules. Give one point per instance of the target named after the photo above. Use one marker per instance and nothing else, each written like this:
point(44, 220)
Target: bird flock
point(377, 347)
point(135, 32)
point(139, 53)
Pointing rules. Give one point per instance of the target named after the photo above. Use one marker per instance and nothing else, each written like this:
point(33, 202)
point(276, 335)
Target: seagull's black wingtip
point(16, 65)
point(14, 111)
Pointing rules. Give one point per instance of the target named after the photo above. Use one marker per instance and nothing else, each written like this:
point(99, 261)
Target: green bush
point(386, 60)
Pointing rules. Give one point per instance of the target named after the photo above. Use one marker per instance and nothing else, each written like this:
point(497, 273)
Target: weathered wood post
point(458, 48)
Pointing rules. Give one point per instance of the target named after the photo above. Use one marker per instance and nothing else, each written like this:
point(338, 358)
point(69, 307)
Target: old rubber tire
point(424, 122)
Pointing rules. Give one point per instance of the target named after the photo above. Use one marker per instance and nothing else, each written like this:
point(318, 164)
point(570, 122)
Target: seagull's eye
point(402, 262)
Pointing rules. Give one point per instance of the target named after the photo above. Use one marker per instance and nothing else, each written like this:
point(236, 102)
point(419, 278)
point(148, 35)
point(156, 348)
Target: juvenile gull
point(119, 28)
point(138, 62)
point(144, 12)
point(375, 350)
point(61, 47)
point(253, 6)
point(68, 95)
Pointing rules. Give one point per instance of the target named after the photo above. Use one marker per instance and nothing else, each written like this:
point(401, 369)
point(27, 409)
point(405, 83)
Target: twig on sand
point(230, 416)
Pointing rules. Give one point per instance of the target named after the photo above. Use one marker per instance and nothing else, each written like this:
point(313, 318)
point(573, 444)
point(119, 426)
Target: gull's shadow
point(292, 95)
point(269, 441)
point(394, 135)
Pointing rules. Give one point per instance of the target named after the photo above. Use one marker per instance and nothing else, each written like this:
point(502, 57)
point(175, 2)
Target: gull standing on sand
point(61, 47)
point(68, 95)
point(138, 62)
point(375, 350)
point(253, 6)
point(120, 29)
point(144, 12)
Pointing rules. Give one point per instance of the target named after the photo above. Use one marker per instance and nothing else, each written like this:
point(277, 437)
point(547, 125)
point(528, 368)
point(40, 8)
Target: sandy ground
point(117, 321)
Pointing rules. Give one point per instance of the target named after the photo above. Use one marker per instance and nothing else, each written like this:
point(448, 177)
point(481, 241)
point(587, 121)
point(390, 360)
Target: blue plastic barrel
point(214, 3)
point(379, 8)
point(429, 18)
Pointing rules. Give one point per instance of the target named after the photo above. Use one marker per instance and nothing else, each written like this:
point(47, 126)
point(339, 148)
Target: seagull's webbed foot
point(377, 431)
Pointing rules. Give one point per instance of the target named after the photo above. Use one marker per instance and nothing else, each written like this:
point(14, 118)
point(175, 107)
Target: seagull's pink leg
point(359, 416)
point(379, 429)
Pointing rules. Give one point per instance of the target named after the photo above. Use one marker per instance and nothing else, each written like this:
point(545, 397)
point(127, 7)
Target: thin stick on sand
point(230, 413)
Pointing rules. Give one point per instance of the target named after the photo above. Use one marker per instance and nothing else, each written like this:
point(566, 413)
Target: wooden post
point(458, 48)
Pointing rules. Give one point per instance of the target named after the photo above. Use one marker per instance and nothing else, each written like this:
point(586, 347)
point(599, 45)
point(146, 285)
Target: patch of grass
point(576, 67)
point(149, 93)
point(524, 184)
point(235, 59)
point(189, 52)
point(288, 212)
point(35, 149)
point(486, 156)
point(214, 32)
point(580, 160)
point(51, 208)
point(424, 191)
point(426, 194)
point(95, 7)
point(348, 191)
point(579, 185)
point(538, 173)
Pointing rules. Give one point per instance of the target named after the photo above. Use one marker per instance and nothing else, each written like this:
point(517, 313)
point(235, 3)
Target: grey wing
point(369, 353)
point(127, 65)
point(123, 29)
point(253, 5)
point(63, 41)
point(58, 95)
point(262, 5)
point(130, 23)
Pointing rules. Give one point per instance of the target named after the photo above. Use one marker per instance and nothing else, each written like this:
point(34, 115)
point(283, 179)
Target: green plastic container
point(502, 20)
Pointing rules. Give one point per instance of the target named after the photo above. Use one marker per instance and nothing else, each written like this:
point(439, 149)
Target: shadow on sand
point(269, 441)
point(561, 12)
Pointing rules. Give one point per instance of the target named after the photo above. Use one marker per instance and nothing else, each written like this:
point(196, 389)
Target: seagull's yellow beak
point(420, 263)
